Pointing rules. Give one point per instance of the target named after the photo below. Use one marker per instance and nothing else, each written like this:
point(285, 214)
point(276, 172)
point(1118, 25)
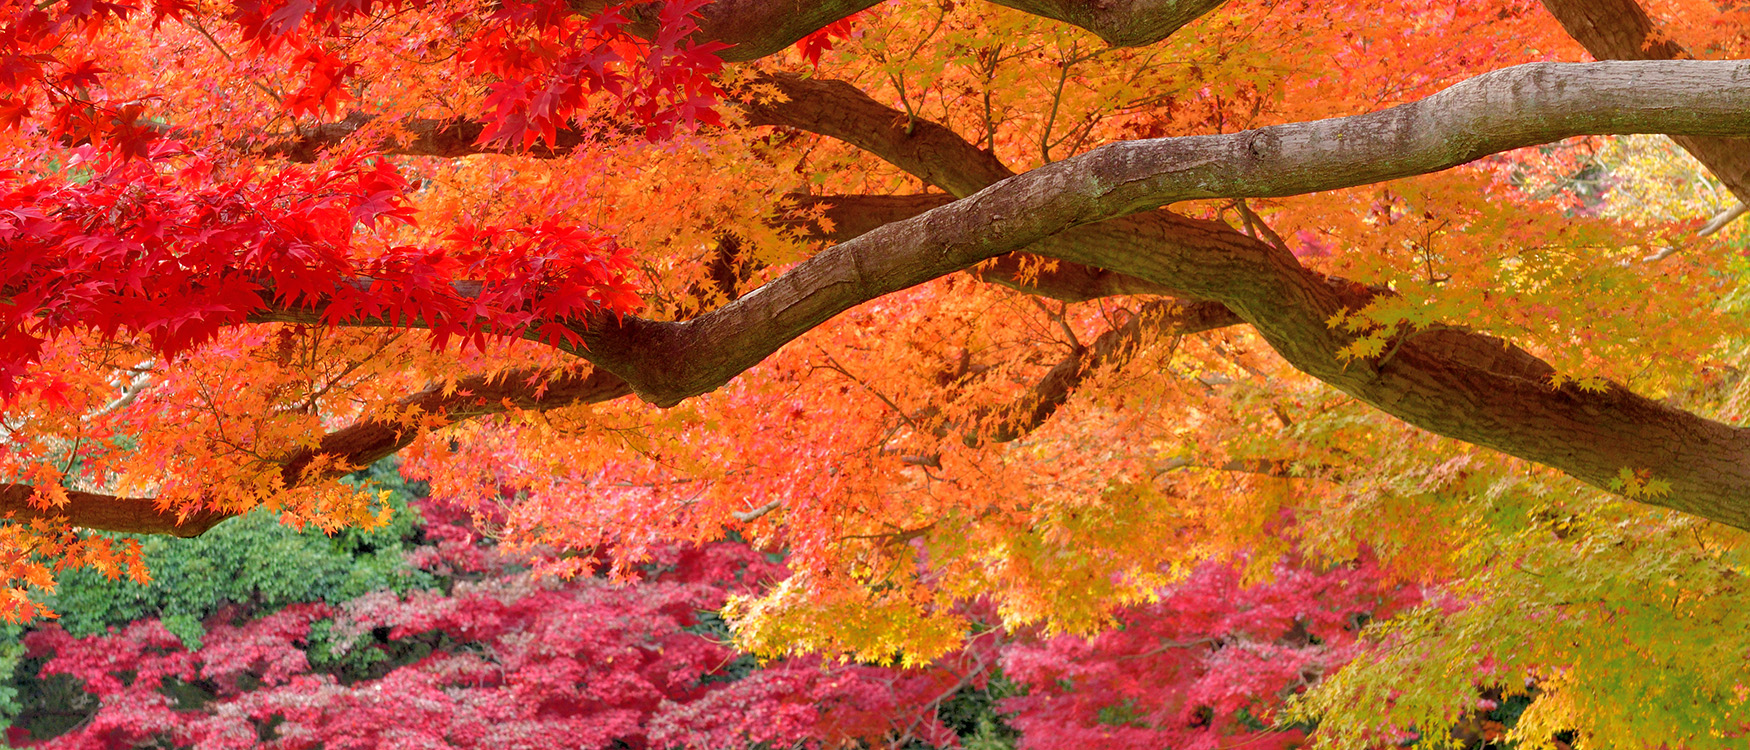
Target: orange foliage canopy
point(887, 285)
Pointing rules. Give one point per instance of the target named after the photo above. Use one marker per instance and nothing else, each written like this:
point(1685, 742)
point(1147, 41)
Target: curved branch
point(756, 28)
point(1621, 30)
point(1121, 23)
point(1510, 108)
point(852, 216)
point(349, 448)
point(1720, 220)
point(1463, 385)
point(752, 28)
point(88, 510)
point(836, 109)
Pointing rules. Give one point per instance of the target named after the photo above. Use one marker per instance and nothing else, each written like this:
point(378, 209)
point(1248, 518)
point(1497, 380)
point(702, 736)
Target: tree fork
point(1461, 385)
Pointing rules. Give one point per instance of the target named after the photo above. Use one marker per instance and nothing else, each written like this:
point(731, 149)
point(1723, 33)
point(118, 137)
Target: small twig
point(132, 391)
point(990, 74)
point(1394, 349)
point(1057, 315)
point(1056, 100)
point(227, 55)
point(1712, 227)
point(911, 118)
point(833, 365)
point(749, 516)
point(1256, 223)
point(1726, 217)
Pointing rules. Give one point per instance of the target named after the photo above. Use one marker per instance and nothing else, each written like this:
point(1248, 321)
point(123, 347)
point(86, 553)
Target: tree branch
point(1121, 23)
point(836, 109)
point(1463, 385)
point(422, 137)
point(1524, 105)
point(1621, 30)
point(852, 216)
point(756, 28)
point(139, 515)
point(1112, 348)
point(937, 156)
point(349, 448)
point(752, 28)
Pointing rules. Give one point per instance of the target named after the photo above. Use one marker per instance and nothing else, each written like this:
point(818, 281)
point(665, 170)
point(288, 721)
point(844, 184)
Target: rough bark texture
point(1122, 23)
point(140, 515)
point(752, 28)
point(1454, 383)
point(756, 28)
point(1086, 210)
point(855, 215)
point(1098, 211)
point(1524, 105)
point(1621, 30)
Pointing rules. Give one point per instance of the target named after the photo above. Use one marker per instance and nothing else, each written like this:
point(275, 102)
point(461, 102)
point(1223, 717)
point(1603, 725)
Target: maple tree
point(484, 654)
point(250, 247)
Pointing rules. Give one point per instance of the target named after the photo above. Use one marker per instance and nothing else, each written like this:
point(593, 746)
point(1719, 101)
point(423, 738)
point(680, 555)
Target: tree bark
point(1085, 210)
point(352, 447)
point(757, 28)
point(1096, 210)
point(1621, 30)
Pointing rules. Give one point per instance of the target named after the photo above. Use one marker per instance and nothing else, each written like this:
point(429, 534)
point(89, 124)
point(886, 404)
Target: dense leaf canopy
point(460, 644)
point(1039, 303)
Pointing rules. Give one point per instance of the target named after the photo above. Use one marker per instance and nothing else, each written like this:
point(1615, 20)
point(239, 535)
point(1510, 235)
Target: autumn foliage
point(480, 653)
point(1187, 328)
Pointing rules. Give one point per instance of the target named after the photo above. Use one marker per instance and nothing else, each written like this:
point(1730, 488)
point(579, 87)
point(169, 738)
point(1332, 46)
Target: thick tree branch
point(756, 28)
point(1524, 105)
point(1459, 384)
point(854, 215)
point(1121, 23)
point(140, 515)
point(1621, 30)
point(349, 448)
point(1463, 385)
point(752, 28)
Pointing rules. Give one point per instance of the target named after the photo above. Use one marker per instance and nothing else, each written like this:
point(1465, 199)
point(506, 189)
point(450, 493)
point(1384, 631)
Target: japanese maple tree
point(1044, 301)
point(477, 650)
